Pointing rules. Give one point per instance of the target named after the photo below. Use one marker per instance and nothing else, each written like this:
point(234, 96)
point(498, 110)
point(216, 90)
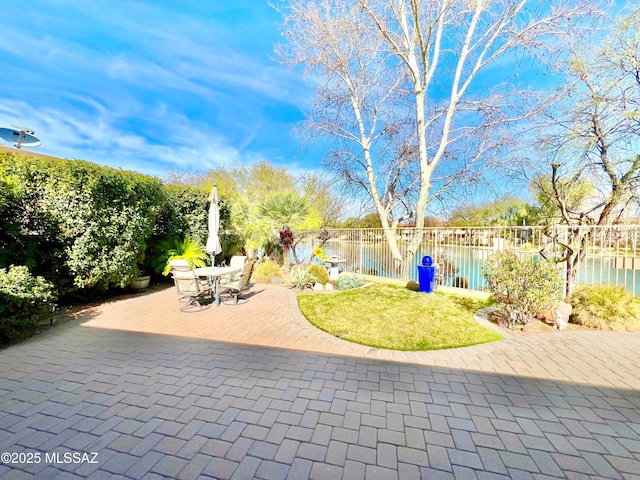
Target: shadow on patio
point(161, 405)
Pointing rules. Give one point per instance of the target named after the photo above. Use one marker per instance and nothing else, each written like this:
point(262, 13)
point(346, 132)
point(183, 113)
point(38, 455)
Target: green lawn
point(396, 318)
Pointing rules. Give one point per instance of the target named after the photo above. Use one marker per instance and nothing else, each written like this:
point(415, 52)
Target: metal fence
point(597, 255)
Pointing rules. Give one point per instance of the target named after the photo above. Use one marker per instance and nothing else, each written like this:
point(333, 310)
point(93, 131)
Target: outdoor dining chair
point(241, 284)
point(190, 288)
point(237, 261)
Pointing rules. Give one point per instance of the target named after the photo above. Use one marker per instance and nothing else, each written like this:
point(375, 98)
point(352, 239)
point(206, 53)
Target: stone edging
point(482, 317)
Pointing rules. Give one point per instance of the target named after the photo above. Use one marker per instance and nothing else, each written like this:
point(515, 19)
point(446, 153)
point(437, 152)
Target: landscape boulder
point(559, 315)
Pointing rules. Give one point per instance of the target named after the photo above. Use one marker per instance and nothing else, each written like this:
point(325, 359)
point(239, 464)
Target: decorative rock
point(317, 287)
point(411, 285)
point(328, 286)
point(566, 310)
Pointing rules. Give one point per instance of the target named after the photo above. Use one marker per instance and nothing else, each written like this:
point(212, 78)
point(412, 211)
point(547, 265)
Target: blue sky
point(159, 85)
point(152, 85)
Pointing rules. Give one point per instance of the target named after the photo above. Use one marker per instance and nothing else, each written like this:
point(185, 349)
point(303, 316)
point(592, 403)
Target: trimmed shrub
point(320, 273)
point(185, 212)
point(523, 287)
point(25, 301)
point(80, 225)
point(413, 286)
point(605, 307)
point(347, 281)
point(86, 228)
point(265, 271)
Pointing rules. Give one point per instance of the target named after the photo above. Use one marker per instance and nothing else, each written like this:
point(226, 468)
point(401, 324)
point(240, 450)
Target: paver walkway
point(253, 391)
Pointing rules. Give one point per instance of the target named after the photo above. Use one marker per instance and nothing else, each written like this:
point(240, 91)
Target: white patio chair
point(189, 287)
point(237, 261)
point(236, 287)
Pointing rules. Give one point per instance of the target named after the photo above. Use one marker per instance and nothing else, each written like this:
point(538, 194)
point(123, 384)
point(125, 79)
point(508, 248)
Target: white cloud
point(175, 91)
point(99, 138)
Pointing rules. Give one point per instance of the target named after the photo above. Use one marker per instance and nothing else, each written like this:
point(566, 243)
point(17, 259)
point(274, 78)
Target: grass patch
point(396, 318)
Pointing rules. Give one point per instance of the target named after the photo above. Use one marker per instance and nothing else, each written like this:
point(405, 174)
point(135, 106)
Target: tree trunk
point(285, 257)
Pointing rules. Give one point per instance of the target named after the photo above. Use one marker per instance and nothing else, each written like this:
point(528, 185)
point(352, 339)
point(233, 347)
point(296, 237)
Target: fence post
point(361, 263)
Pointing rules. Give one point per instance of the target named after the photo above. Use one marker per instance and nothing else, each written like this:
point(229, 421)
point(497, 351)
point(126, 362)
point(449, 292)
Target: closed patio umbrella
point(213, 242)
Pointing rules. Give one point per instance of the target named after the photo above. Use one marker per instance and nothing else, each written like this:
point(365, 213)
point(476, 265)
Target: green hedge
point(185, 213)
point(85, 227)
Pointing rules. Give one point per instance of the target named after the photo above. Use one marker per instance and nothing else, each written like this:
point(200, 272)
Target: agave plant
point(173, 248)
point(302, 276)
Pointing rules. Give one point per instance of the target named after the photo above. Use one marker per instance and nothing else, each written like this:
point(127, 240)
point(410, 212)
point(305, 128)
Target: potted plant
point(144, 276)
point(141, 282)
point(173, 248)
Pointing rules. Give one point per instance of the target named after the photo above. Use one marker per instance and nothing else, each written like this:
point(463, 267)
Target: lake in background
point(465, 262)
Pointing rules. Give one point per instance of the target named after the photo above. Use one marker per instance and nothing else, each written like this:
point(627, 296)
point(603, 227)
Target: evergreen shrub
point(524, 287)
point(25, 301)
point(87, 228)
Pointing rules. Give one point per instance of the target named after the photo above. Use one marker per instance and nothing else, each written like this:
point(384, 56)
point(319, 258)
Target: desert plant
point(301, 276)
point(347, 281)
point(266, 270)
point(25, 301)
point(605, 307)
point(523, 287)
point(320, 273)
point(175, 249)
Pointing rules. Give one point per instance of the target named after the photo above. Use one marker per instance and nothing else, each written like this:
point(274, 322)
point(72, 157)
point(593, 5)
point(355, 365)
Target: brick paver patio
point(253, 391)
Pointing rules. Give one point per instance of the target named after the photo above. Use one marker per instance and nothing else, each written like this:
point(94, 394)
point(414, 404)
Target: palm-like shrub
point(175, 249)
point(605, 307)
point(284, 209)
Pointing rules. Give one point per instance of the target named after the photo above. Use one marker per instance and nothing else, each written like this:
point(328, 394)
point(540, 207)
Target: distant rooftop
point(22, 151)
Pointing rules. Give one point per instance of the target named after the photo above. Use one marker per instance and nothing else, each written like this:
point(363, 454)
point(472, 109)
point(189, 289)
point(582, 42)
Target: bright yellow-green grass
point(396, 318)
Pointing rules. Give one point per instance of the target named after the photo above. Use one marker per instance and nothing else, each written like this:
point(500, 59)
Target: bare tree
point(394, 91)
point(591, 137)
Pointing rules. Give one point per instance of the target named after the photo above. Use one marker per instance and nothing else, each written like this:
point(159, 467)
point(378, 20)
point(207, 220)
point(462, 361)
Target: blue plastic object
point(427, 275)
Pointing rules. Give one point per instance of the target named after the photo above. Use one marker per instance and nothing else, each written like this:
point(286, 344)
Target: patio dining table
point(214, 274)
